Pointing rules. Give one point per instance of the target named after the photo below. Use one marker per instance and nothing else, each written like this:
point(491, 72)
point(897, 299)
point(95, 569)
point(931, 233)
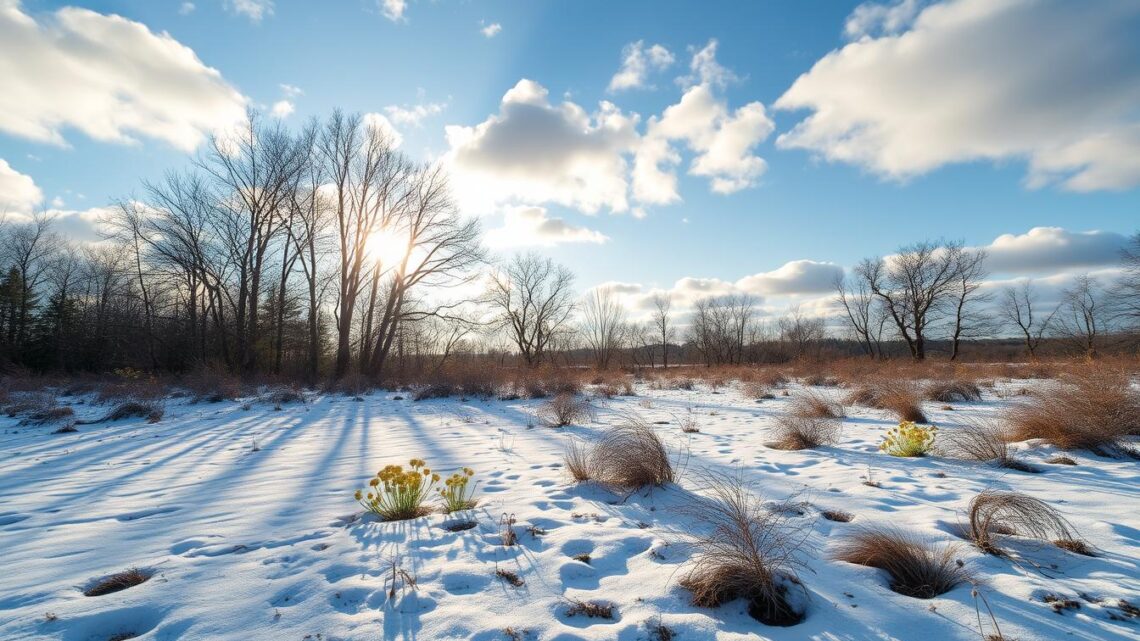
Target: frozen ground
point(247, 520)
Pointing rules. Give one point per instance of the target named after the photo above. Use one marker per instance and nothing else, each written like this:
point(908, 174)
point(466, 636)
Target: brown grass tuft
point(591, 609)
point(565, 409)
point(916, 568)
point(805, 432)
point(118, 581)
point(576, 458)
point(978, 439)
point(995, 512)
point(812, 404)
point(629, 456)
point(749, 553)
point(510, 577)
point(1094, 409)
point(952, 391)
point(902, 397)
point(838, 516)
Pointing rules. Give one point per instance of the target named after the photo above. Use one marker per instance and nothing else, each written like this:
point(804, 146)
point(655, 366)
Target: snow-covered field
point(247, 520)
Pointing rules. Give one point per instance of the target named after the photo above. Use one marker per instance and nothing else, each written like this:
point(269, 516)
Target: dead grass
point(510, 577)
point(1095, 409)
point(151, 411)
point(838, 516)
point(916, 567)
point(902, 397)
point(1060, 459)
point(47, 414)
point(749, 552)
point(952, 391)
point(118, 582)
point(813, 404)
point(630, 455)
point(756, 390)
point(576, 458)
point(994, 513)
point(591, 609)
point(794, 432)
point(565, 409)
point(978, 439)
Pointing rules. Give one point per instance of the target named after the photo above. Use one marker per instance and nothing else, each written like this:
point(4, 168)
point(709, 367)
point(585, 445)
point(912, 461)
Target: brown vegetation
point(979, 439)
point(794, 432)
point(995, 512)
point(1093, 409)
point(916, 567)
point(813, 404)
point(118, 581)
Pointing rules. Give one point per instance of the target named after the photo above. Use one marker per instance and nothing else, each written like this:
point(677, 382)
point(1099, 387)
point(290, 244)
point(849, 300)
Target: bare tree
point(1017, 307)
point(864, 313)
point(1126, 293)
point(1082, 317)
point(913, 285)
point(604, 326)
point(801, 331)
point(534, 299)
point(969, 322)
point(662, 323)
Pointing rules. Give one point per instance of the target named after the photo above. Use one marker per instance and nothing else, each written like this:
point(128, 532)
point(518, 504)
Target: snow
point(247, 520)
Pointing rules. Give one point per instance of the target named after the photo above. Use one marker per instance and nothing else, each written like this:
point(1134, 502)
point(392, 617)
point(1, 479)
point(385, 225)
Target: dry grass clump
point(750, 553)
point(952, 391)
point(510, 577)
point(812, 404)
point(996, 512)
point(1060, 459)
point(591, 609)
point(916, 567)
point(576, 458)
point(212, 385)
point(756, 391)
point(565, 409)
point(839, 516)
point(820, 380)
point(980, 440)
point(899, 396)
point(1093, 409)
point(805, 432)
point(630, 456)
point(118, 581)
point(152, 412)
point(47, 414)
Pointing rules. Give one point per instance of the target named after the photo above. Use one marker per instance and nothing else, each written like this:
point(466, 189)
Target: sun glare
point(386, 246)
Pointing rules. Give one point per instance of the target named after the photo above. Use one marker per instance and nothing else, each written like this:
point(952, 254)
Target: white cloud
point(793, 278)
point(534, 152)
point(1054, 83)
point(291, 91)
point(414, 115)
point(108, 77)
point(706, 70)
point(722, 140)
point(638, 61)
point(283, 109)
point(1047, 250)
point(186, 8)
point(523, 226)
point(490, 30)
point(393, 9)
point(880, 18)
point(380, 121)
point(255, 10)
point(18, 192)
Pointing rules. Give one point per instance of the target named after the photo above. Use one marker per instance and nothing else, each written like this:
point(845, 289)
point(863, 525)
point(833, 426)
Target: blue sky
point(916, 145)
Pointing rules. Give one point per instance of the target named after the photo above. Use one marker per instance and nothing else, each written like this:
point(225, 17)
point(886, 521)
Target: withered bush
point(995, 512)
point(47, 414)
point(804, 432)
point(749, 552)
point(756, 391)
point(118, 582)
point(978, 439)
point(577, 460)
point(565, 409)
point(812, 404)
point(1094, 409)
point(151, 411)
point(212, 385)
point(901, 397)
point(952, 391)
point(917, 568)
point(629, 456)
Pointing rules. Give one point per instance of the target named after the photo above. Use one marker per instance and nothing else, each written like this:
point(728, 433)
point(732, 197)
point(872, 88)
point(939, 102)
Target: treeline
point(327, 252)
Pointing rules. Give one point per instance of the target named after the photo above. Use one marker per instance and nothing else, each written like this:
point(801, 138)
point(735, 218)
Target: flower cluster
point(396, 494)
point(909, 439)
point(456, 493)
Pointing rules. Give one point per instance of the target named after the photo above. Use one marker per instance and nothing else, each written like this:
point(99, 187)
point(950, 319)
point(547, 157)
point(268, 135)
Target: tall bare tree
point(864, 313)
point(1019, 307)
point(662, 322)
point(969, 321)
point(605, 327)
point(1083, 314)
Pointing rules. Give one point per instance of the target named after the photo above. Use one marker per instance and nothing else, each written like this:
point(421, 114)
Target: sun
point(386, 247)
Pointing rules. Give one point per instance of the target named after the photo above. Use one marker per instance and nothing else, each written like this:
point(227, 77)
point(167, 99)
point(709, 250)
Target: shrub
point(805, 432)
point(47, 414)
point(283, 395)
point(952, 391)
point(434, 390)
point(916, 568)
point(995, 512)
point(909, 439)
point(904, 399)
point(591, 609)
point(565, 409)
point(756, 391)
point(980, 440)
point(577, 460)
point(811, 404)
point(396, 494)
point(749, 552)
point(629, 456)
point(457, 493)
point(1095, 409)
point(152, 412)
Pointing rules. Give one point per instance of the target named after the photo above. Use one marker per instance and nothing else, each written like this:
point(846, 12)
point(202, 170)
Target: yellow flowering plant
point(909, 439)
point(395, 494)
point(457, 491)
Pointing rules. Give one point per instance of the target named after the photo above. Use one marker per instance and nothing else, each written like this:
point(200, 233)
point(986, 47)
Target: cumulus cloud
point(535, 152)
point(638, 61)
point(108, 77)
point(414, 115)
point(1053, 249)
point(793, 278)
point(380, 121)
point(283, 108)
point(490, 30)
point(186, 8)
point(18, 192)
point(1054, 83)
point(528, 226)
point(393, 9)
point(705, 70)
point(255, 10)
